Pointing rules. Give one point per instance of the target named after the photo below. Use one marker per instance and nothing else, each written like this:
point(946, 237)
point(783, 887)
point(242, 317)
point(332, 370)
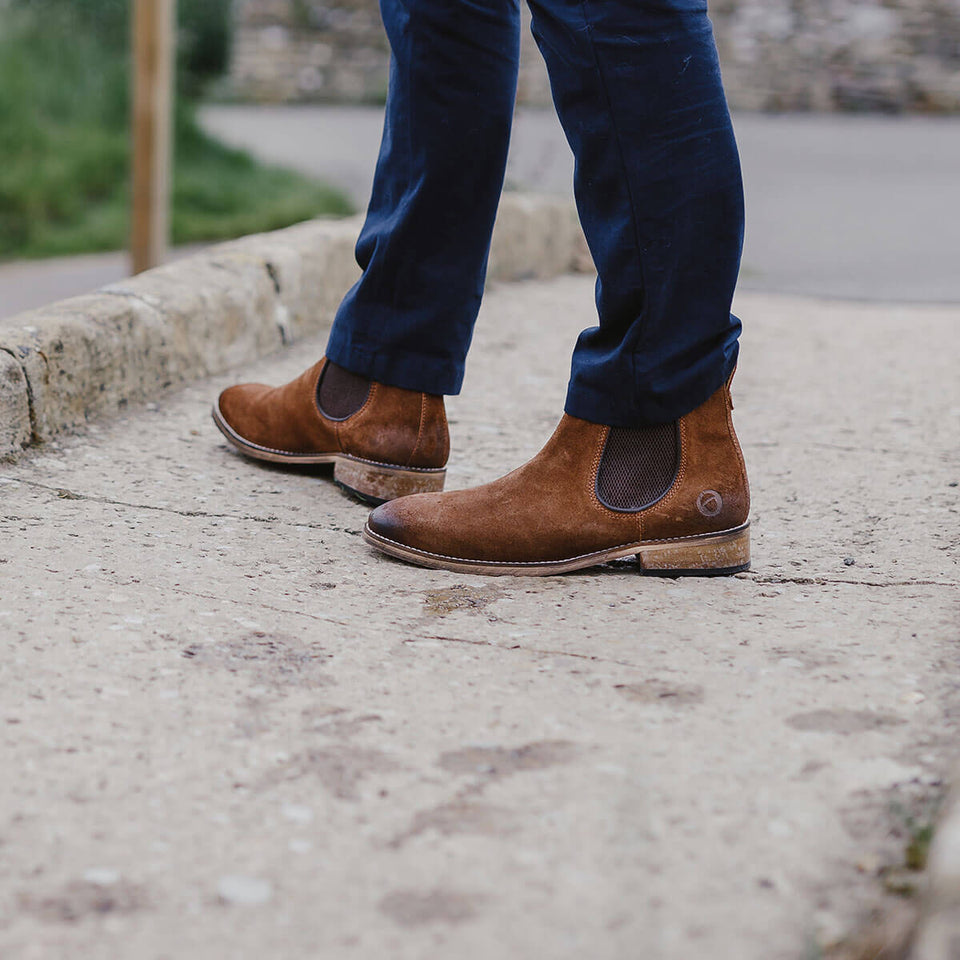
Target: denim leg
point(423, 248)
point(637, 86)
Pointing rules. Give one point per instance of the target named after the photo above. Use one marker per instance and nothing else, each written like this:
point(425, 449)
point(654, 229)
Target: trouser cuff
point(442, 376)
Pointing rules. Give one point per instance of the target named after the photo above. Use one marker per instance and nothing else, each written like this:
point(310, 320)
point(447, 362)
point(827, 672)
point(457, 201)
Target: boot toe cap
point(237, 407)
point(412, 521)
point(234, 402)
point(387, 521)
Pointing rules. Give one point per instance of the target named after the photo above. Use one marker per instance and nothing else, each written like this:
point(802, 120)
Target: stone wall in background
point(333, 51)
point(309, 50)
point(890, 55)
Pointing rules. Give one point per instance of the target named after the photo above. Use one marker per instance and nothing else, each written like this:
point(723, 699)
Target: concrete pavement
point(239, 733)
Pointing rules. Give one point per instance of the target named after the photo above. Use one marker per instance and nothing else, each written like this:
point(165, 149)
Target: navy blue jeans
point(637, 87)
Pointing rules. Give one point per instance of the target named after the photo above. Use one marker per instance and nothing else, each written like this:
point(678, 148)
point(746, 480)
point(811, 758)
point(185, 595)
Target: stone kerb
point(91, 356)
point(14, 405)
point(938, 934)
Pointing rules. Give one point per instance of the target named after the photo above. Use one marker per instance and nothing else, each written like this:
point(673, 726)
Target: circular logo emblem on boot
point(709, 503)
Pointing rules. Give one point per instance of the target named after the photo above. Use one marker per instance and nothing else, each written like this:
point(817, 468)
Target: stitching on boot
point(580, 556)
point(678, 480)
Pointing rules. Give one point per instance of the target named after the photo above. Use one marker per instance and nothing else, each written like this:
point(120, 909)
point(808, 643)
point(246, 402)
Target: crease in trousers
point(637, 87)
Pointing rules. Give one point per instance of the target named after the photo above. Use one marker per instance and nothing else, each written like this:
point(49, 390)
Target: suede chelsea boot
point(675, 496)
point(383, 441)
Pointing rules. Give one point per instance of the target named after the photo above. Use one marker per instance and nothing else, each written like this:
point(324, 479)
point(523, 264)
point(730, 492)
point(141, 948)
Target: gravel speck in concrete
point(244, 891)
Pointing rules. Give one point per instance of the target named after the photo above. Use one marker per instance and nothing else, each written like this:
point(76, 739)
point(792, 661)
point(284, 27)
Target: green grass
point(214, 186)
point(64, 144)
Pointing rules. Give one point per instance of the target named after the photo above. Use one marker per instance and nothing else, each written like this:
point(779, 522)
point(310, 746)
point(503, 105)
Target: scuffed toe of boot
point(236, 408)
point(281, 424)
point(245, 417)
point(386, 522)
point(406, 522)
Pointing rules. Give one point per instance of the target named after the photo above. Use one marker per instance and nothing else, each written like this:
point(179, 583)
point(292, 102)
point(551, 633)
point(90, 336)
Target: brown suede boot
point(383, 442)
point(676, 496)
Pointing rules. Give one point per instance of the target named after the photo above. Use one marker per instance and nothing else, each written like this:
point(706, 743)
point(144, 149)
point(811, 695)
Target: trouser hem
point(652, 407)
point(411, 371)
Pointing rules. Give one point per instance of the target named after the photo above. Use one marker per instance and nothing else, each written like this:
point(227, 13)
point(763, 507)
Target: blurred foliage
point(203, 30)
point(64, 140)
point(221, 192)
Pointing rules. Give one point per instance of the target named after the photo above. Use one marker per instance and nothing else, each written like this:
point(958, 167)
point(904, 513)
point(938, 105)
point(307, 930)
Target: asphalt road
point(837, 206)
point(842, 207)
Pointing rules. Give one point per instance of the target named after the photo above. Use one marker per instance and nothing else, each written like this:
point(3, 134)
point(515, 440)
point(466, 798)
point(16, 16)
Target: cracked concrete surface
point(231, 730)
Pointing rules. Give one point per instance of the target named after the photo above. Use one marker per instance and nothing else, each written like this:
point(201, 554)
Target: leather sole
point(369, 480)
point(706, 555)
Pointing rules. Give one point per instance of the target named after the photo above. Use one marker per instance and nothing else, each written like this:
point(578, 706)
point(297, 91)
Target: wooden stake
point(153, 53)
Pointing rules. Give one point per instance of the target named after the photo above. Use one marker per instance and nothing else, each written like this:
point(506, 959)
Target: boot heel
point(379, 482)
point(709, 555)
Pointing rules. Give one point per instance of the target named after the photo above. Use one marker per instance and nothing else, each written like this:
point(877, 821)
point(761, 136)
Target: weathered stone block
point(84, 357)
point(90, 356)
point(938, 933)
point(311, 265)
point(217, 311)
point(534, 237)
point(14, 406)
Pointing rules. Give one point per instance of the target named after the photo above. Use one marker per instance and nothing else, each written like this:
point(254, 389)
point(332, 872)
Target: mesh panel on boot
point(638, 466)
point(341, 393)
